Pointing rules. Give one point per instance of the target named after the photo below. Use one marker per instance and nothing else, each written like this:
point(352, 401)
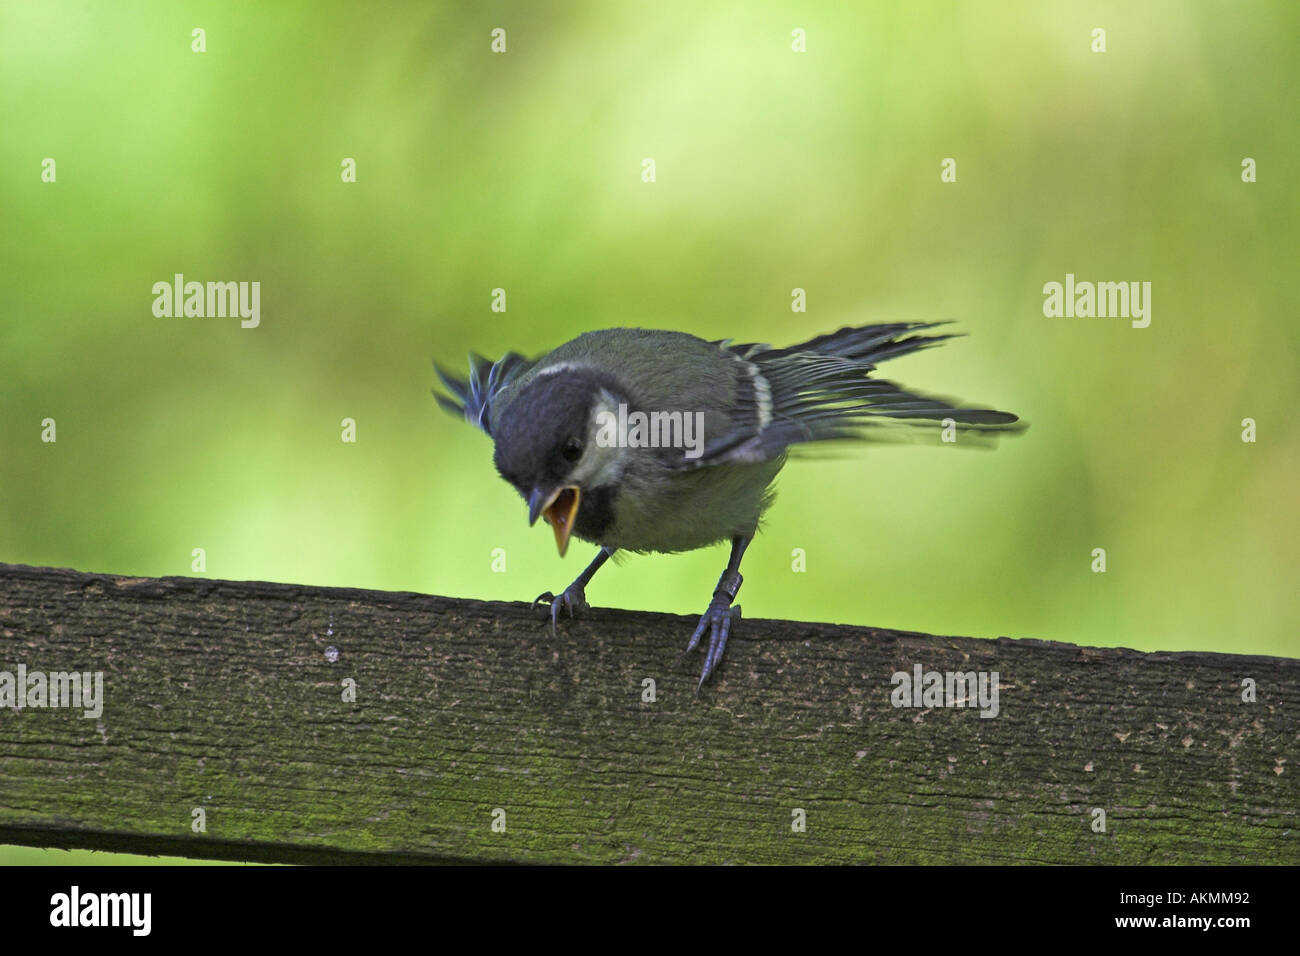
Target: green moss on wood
point(219, 695)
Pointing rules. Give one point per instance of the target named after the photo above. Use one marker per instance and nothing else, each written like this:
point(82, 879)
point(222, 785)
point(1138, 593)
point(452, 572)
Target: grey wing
point(821, 390)
point(472, 398)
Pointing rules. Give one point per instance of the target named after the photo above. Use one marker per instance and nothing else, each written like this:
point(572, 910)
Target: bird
point(658, 441)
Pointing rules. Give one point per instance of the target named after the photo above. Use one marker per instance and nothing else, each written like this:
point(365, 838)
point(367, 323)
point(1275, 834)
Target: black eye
point(572, 450)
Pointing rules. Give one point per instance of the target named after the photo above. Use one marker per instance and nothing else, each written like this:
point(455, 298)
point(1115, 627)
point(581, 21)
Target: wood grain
point(221, 695)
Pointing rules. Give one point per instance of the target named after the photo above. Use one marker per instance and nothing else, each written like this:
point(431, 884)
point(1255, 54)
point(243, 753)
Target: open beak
point(560, 509)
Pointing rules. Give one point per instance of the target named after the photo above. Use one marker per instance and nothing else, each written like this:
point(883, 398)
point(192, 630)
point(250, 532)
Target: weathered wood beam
point(228, 698)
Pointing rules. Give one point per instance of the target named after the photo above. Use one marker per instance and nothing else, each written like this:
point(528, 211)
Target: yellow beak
point(560, 512)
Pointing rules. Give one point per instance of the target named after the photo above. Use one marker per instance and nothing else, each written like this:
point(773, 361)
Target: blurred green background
point(774, 170)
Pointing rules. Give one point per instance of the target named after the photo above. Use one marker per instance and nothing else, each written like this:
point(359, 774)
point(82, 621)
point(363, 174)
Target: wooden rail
point(226, 729)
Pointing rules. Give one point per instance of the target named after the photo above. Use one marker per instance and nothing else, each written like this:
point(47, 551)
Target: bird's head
point(548, 445)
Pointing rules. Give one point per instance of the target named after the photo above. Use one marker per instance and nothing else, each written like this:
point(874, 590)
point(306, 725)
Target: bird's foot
point(717, 620)
point(574, 599)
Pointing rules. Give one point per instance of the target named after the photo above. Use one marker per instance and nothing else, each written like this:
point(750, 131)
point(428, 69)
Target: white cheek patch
point(602, 461)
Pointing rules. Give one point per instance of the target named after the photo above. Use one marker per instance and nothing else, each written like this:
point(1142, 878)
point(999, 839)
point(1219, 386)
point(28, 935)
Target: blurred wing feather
point(472, 397)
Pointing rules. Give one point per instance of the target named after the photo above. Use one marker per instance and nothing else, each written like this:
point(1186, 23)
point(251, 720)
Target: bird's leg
point(574, 598)
point(717, 619)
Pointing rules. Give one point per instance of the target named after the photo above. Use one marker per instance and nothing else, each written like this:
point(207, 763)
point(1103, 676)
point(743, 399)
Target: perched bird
point(645, 440)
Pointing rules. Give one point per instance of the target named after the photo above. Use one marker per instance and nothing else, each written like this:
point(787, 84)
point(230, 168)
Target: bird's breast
point(677, 510)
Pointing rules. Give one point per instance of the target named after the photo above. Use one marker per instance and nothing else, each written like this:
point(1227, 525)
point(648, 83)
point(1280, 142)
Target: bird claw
point(574, 600)
point(717, 620)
